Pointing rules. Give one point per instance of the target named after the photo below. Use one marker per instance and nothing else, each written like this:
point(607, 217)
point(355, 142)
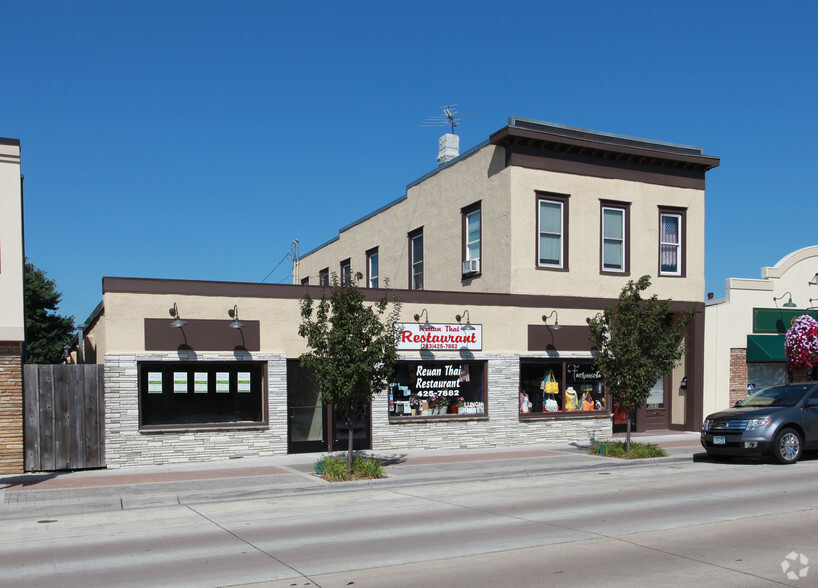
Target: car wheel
point(787, 446)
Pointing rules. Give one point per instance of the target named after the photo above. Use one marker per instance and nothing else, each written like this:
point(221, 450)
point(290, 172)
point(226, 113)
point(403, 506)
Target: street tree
point(47, 332)
point(638, 341)
point(352, 348)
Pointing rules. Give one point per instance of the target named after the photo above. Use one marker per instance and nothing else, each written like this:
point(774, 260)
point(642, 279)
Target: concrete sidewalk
point(50, 494)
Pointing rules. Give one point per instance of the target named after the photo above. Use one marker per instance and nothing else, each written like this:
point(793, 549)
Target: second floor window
point(416, 260)
point(613, 239)
point(551, 233)
point(472, 240)
point(670, 244)
point(346, 271)
point(323, 277)
point(372, 268)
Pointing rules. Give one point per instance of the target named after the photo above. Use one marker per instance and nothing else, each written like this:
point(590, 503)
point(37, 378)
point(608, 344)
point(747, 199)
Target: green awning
point(765, 348)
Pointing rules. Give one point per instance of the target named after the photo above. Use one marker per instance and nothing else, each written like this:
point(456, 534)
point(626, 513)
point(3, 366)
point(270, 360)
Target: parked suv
point(780, 422)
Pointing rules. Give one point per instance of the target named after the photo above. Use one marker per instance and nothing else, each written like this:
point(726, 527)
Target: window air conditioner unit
point(472, 266)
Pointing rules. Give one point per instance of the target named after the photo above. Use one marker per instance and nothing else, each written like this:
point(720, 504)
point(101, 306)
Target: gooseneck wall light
point(425, 326)
point(788, 304)
point(556, 326)
point(234, 314)
point(178, 323)
point(467, 326)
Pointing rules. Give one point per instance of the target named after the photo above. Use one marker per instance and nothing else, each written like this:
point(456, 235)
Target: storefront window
point(560, 387)
point(438, 388)
point(196, 394)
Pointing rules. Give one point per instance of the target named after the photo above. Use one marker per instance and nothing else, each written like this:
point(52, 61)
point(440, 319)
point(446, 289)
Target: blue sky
point(197, 140)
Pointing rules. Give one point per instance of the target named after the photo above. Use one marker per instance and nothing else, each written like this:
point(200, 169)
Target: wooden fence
point(64, 417)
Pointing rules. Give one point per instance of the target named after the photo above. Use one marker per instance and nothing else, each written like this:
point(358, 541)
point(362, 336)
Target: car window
point(776, 396)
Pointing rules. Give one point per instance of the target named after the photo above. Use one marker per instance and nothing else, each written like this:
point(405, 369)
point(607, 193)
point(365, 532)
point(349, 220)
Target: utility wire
point(286, 255)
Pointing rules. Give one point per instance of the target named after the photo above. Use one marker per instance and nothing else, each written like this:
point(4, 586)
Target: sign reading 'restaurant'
point(440, 337)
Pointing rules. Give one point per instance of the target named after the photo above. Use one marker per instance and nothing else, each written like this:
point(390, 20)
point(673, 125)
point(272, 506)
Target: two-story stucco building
point(564, 215)
point(498, 257)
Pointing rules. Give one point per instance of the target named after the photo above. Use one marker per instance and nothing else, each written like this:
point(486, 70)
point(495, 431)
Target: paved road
point(681, 523)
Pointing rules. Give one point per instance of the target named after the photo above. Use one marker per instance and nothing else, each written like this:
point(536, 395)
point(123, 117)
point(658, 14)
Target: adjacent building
point(744, 341)
point(12, 321)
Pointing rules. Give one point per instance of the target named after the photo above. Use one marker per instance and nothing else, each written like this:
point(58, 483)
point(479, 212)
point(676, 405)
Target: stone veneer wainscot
point(127, 446)
point(502, 428)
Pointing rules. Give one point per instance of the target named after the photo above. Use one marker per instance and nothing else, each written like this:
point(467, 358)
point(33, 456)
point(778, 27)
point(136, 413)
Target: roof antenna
point(450, 117)
point(449, 144)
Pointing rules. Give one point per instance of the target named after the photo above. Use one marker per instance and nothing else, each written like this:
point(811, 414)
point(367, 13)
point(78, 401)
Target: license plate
point(718, 440)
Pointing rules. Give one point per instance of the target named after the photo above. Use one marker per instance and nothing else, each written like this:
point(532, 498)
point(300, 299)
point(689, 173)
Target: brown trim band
point(297, 292)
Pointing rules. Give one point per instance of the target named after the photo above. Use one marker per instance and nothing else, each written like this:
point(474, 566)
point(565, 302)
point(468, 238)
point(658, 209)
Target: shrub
point(335, 468)
point(618, 449)
point(368, 467)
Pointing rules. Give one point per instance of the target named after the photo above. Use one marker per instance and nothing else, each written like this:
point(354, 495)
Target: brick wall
point(11, 408)
point(738, 375)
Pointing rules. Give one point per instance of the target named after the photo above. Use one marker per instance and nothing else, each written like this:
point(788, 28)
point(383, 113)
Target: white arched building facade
point(744, 331)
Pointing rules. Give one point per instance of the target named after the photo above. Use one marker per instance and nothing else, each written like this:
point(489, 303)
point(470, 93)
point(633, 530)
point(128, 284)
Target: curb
point(61, 501)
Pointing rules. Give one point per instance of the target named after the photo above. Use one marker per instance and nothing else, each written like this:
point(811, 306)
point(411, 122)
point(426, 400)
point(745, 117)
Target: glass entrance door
point(307, 427)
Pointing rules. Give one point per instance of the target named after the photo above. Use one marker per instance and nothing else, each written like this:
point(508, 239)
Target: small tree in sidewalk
point(639, 340)
point(353, 348)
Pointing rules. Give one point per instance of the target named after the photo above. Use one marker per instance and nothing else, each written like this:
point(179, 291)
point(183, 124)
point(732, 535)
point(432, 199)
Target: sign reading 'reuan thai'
point(411, 337)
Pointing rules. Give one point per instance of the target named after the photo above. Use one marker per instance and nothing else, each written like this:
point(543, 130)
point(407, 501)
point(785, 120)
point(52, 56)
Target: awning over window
point(765, 348)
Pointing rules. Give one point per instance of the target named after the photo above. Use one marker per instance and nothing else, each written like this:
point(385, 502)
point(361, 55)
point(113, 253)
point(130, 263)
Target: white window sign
point(200, 383)
point(180, 382)
point(222, 382)
point(154, 382)
point(243, 379)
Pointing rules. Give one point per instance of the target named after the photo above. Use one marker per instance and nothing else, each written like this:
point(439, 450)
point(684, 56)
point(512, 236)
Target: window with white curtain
point(656, 396)
point(670, 244)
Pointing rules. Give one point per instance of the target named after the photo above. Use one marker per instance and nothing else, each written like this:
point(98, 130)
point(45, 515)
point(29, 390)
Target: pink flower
point(801, 342)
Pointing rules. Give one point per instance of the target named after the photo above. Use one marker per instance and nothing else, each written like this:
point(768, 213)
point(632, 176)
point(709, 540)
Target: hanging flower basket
point(801, 343)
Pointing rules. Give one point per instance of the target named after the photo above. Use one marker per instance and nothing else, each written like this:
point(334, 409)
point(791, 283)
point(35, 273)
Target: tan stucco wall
point(12, 324)
point(585, 194)
point(509, 232)
point(125, 313)
point(505, 329)
point(729, 321)
point(435, 205)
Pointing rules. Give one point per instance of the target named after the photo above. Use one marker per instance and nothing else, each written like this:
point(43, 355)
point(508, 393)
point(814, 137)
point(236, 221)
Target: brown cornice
point(585, 153)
